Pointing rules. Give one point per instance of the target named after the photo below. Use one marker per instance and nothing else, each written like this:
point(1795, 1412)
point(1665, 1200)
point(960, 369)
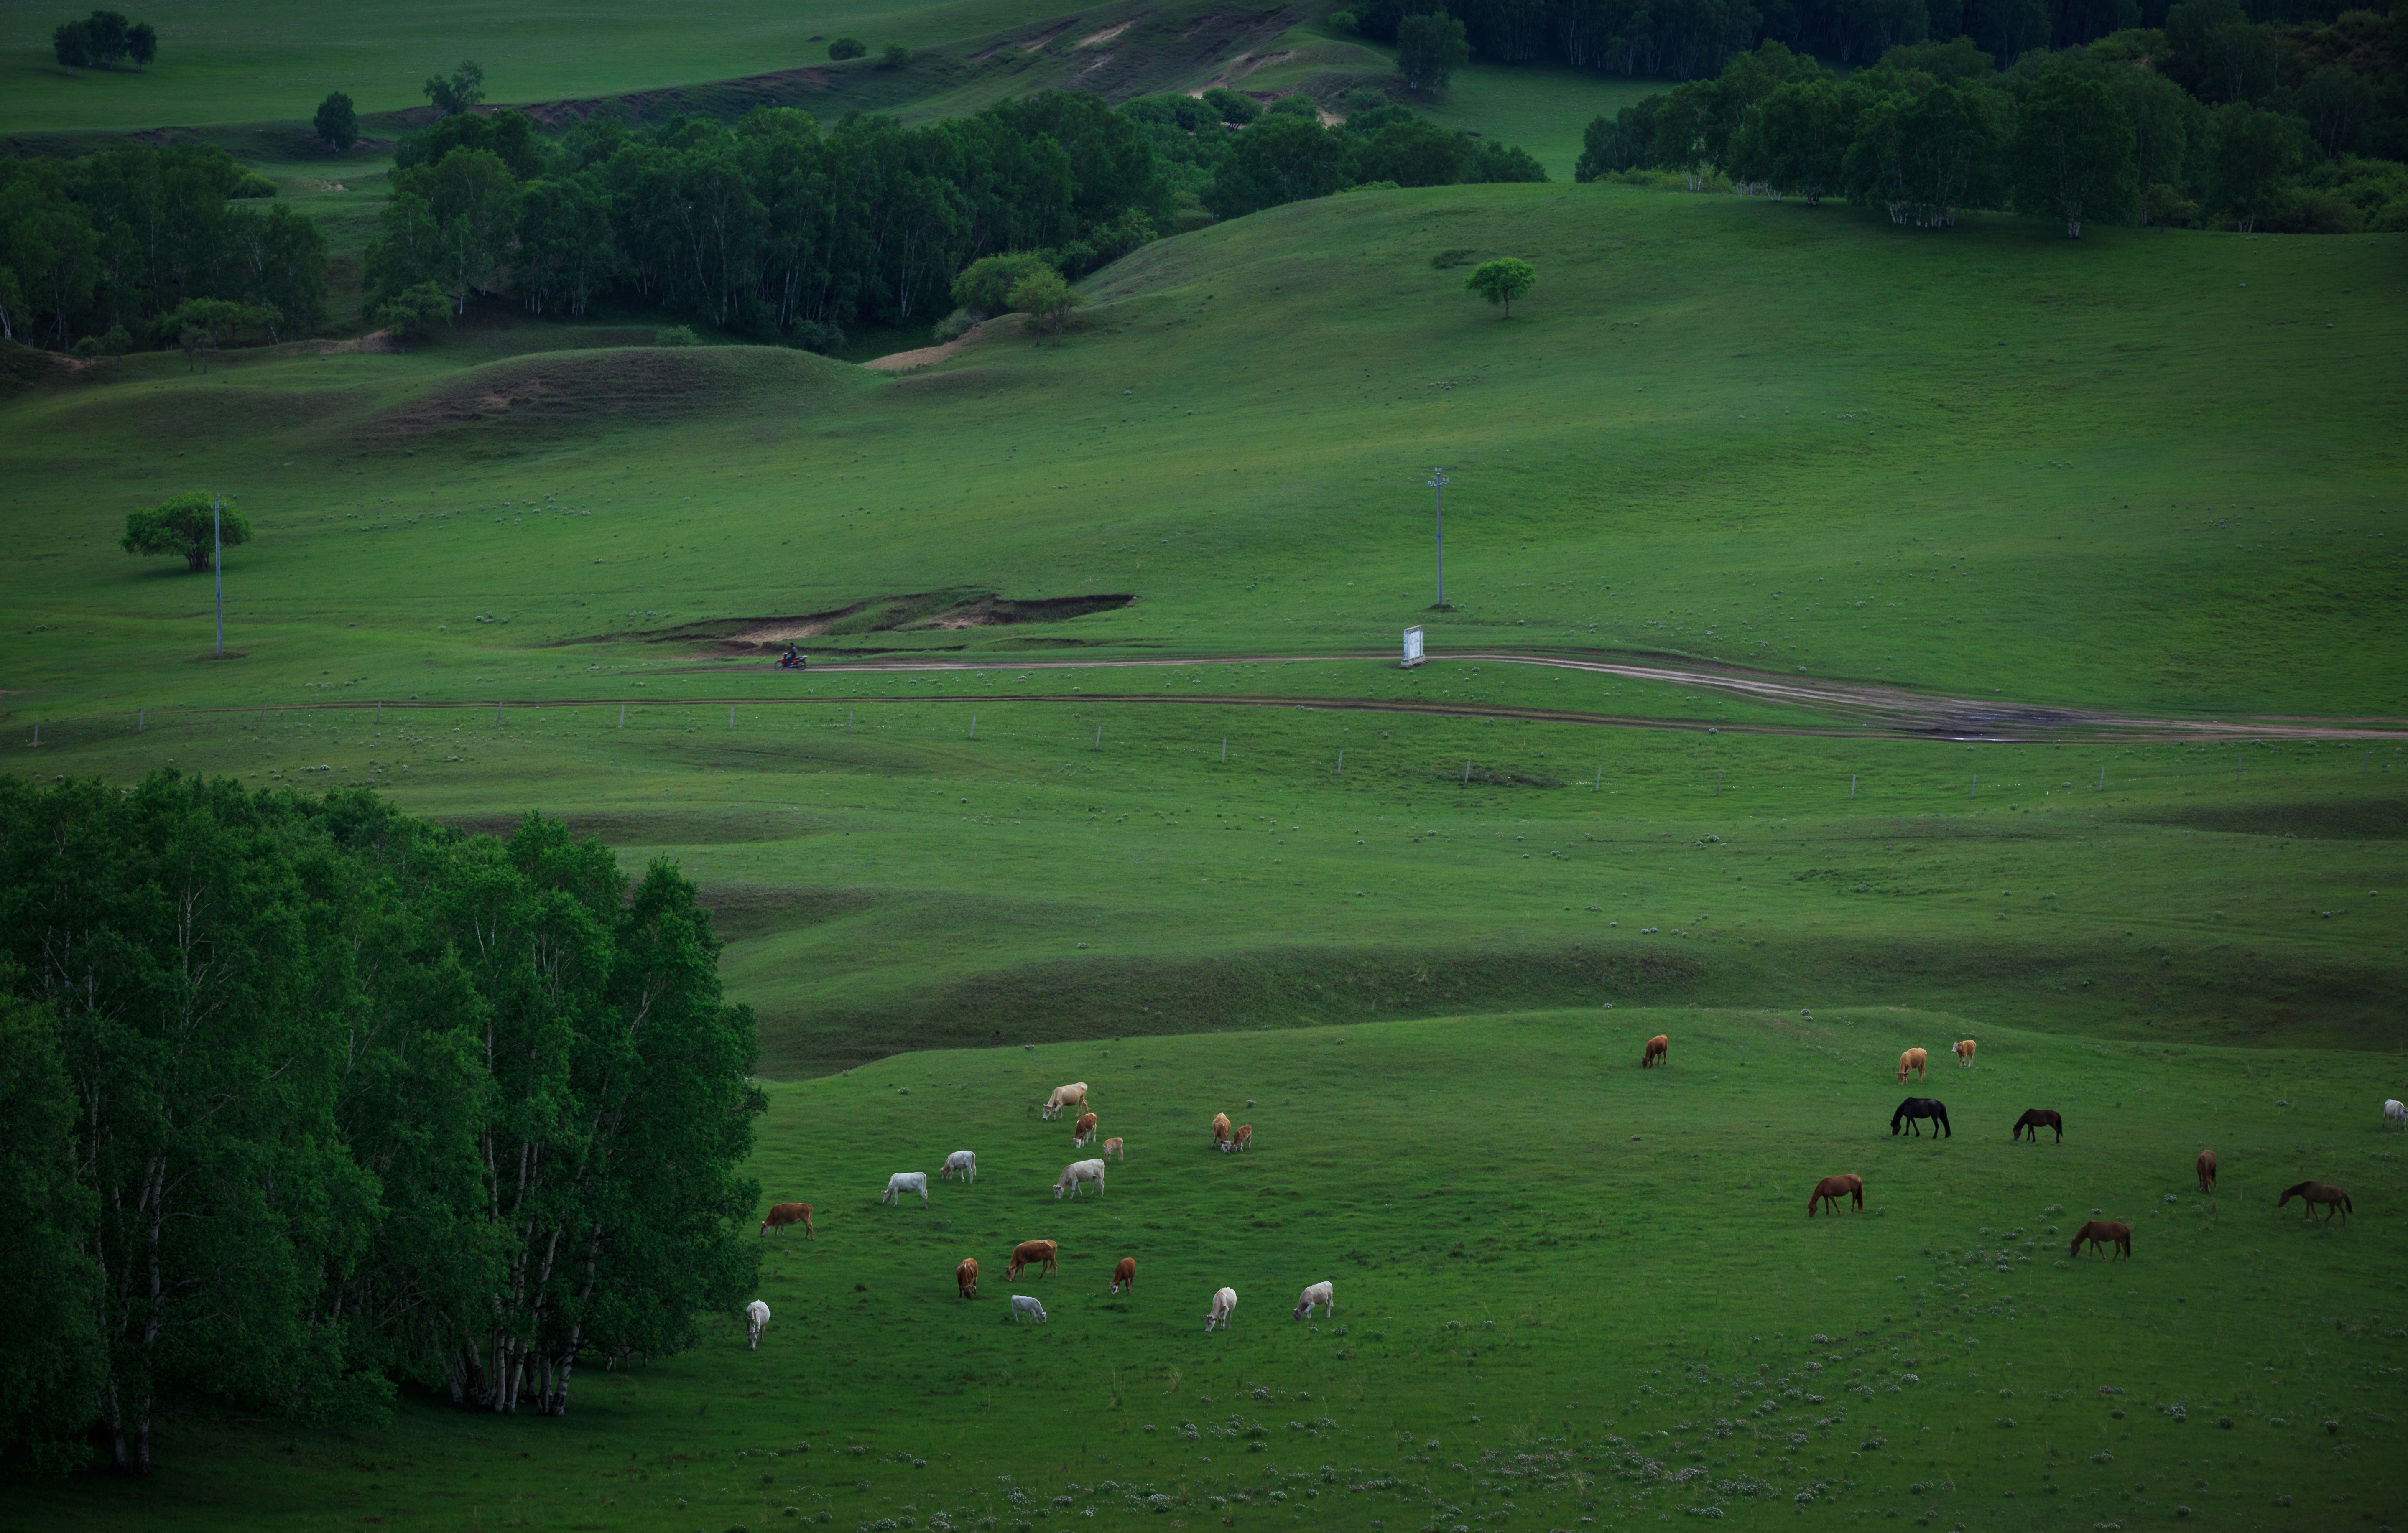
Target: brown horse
point(1913, 1059)
point(966, 1276)
point(2312, 1193)
point(2038, 1119)
point(2103, 1233)
point(1832, 1188)
point(2207, 1170)
point(1659, 1048)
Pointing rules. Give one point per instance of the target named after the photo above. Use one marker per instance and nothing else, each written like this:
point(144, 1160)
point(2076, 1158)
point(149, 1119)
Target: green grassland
point(1562, 1284)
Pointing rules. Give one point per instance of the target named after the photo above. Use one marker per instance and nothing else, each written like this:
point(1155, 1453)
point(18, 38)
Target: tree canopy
point(188, 525)
point(456, 92)
point(337, 122)
point(101, 39)
point(1429, 50)
point(1502, 281)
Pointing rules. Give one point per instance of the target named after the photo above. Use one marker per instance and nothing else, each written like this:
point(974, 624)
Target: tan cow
point(1073, 1095)
point(1221, 1130)
point(1044, 1254)
point(788, 1213)
point(1913, 1059)
point(1124, 1275)
point(1112, 1150)
point(1964, 1053)
point(966, 1276)
point(1659, 1051)
point(1081, 1131)
point(1242, 1139)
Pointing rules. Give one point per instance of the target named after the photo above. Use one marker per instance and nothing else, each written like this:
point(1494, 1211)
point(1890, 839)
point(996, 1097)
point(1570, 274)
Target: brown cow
point(1082, 1129)
point(1112, 1150)
point(966, 1276)
point(1964, 1053)
point(1832, 1188)
point(1912, 1060)
point(1658, 1047)
point(1124, 1275)
point(1242, 1139)
point(788, 1213)
point(1033, 1254)
point(2103, 1233)
point(1221, 1129)
point(2207, 1170)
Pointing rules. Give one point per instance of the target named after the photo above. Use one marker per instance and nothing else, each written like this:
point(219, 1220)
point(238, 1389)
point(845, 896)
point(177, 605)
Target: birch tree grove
point(357, 1102)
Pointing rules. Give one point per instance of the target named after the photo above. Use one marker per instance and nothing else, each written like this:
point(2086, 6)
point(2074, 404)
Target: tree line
point(778, 228)
point(309, 1101)
point(106, 251)
point(2159, 127)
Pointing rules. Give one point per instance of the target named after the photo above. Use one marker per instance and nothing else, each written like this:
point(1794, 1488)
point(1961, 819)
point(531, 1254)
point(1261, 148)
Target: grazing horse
point(1921, 1107)
point(788, 1213)
point(1964, 1053)
point(1832, 1189)
point(1659, 1049)
point(2103, 1233)
point(966, 1276)
point(2312, 1193)
point(2207, 1170)
point(1912, 1060)
point(2038, 1119)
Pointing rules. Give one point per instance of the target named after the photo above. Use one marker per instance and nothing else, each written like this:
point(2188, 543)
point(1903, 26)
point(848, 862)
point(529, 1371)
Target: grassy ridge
point(1520, 1225)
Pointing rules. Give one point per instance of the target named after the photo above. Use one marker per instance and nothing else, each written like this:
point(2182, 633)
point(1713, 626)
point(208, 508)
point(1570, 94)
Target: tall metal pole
point(217, 563)
point(1439, 483)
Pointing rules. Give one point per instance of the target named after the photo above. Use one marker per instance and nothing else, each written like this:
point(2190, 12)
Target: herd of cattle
point(1045, 1256)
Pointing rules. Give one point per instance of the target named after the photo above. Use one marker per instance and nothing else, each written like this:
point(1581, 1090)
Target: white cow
point(906, 1181)
point(1223, 1303)
point(1077, 1172)
point(1321, 1294)
point(1025, 1307)
point(2396, 1111)
point(1073, 1095)
point(963, 1162)
point(757, 1315)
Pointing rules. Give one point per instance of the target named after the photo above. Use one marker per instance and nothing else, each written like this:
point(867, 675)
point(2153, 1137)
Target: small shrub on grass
point(847, 48)
point(676, 335)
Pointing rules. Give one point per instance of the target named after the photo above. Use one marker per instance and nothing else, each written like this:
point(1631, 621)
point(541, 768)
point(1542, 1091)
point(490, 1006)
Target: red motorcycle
point(792, 661)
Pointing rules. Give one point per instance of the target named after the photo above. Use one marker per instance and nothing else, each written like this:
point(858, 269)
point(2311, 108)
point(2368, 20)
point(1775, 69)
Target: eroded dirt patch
point(950, 609)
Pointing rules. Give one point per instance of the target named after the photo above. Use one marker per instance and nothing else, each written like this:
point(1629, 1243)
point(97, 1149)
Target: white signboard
point(1413, 647)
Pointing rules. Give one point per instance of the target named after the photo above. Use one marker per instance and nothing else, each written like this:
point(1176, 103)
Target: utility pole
point(217, 561)
point(1439, 482)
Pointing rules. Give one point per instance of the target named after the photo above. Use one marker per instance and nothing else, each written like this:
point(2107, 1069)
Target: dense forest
point(2213, 120)
point(309, 1101)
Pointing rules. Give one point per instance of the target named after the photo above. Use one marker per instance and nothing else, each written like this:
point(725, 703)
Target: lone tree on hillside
point(985, 285)
point(1502, 281)
point(464, 90)
point(185, 525)
point(1429, 50)
point(337, 122)
point(1045, 299)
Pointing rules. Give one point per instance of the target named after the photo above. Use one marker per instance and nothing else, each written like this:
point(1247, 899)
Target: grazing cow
point(1074, 1095)
point(1223, 1303)
point(2207, 1170)
point(966, 1276)
point(1832, 1189)
point(1112, 1150)
point(2395, 1111)
point(1921, 1107)
point(1242, 1139)
point(2038, 1119)
point(2103, 1233)
point(1082, 1130)
point(2312, 1193)
point(1964, 1053)
point(1077, 1174)
point(788, 1213)
point(1124, 1275)
point(1043, 1255)
point(961, 1163)
point(1659, 1049)
point(906, 1181)
point(1910, 1060)
point(1321, 1294)
point(756, 1320)
point(1025, 1307)
point(1221, 1129)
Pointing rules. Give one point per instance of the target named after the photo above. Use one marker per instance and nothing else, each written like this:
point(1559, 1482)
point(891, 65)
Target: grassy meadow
point(1567, 1289)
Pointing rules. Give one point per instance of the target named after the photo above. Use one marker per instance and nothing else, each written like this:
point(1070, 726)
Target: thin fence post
point(731, 715)
point(1852, 787)
point(1718, 784)
point(1341, 761)
point(1225, 750)
point(973, 727)
point(1598, 786)
point(138, 720)
point(379, 718)
point(2102, 777)
point(622, 715)
point(37, 732)
point(497, 711)
point(2236, 768)
point(1976, 787)
point(1467, 774)
point(1100, 736)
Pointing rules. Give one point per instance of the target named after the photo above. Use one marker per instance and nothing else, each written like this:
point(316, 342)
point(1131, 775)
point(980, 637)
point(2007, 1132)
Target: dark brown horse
point(1659, 1049)
point(2038, 1119)
point(2314, 1193)
point(2207, 1170)
point(1832, 1189)
point(2103, 1233)
point(1921, 1107)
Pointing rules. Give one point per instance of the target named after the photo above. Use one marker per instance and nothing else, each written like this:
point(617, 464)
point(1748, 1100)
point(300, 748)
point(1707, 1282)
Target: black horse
point(1921, 1107)
point(2038, 1119)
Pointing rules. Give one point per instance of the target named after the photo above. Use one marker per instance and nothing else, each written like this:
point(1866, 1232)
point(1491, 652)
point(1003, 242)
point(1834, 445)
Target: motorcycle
point(792, 661)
